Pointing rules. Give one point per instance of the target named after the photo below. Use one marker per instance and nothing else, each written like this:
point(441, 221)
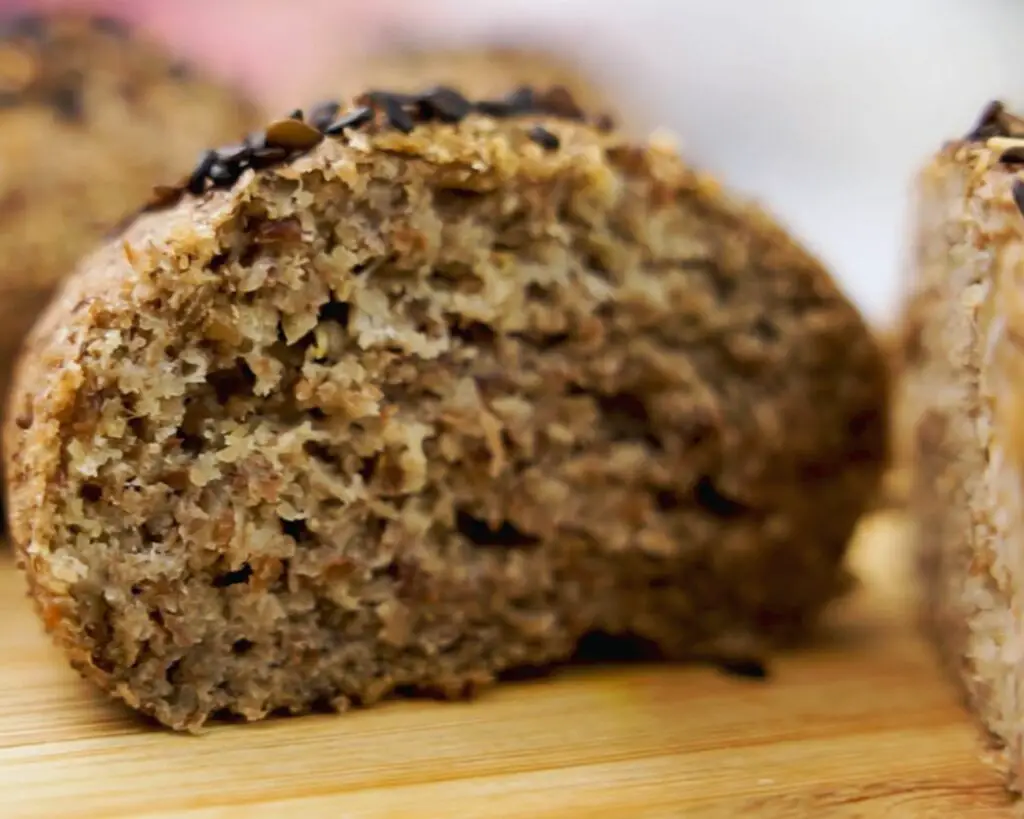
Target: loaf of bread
point(91, 117)
point(963, 384)
point(421, 390)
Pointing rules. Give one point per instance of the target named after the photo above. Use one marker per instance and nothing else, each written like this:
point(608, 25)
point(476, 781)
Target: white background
point(821, 109)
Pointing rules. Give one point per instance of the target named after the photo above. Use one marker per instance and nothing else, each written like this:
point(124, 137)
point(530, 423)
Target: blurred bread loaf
point(91, 118)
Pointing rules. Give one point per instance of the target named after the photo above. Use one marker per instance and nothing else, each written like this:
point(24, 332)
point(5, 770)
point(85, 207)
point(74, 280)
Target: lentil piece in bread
point(410, 410)
point(961, 397)
point(91, 117)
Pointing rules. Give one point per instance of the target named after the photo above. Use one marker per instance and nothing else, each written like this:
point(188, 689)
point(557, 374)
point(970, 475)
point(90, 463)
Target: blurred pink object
point(276, 49)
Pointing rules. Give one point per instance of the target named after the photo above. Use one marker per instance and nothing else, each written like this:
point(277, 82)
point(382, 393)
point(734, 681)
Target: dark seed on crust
point(221, 175)
point(544, 138)
point(521, 101)
point(447, 104)
point(296, 114)
point(558, 100)
point(353, 119)
point(293, 134)
point(1018, 194)
point(197, 180)
point(378, 97)
point(493, 108)
point(748, 667)
point(989, 123)
point(323, 114)
point(231, 154)
point(1012, 156)
point(265, 157)
point(398, 117)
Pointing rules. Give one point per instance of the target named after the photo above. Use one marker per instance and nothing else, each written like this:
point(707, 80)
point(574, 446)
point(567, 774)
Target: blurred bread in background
point(91, 118)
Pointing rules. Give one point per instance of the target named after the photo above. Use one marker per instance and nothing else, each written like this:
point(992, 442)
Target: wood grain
point(859, 725)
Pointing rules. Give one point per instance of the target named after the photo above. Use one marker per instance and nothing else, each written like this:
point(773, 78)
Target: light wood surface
point(859, 725)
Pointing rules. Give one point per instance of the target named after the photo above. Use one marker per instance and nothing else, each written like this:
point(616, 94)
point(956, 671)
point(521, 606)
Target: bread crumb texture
point(91, 117)
point(414, 409)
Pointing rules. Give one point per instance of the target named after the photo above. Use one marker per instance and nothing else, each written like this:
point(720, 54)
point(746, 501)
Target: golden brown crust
point(91, 117)
point(412, 409)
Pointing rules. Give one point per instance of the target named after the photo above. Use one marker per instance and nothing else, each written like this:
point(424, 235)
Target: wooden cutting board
point(859, 725)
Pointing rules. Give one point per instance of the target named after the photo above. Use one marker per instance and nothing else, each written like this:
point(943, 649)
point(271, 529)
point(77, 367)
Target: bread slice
point(434, 396)
point(91, 117)
point(963, 367)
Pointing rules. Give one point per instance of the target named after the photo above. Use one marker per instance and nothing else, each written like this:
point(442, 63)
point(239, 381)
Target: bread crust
point(413, 409)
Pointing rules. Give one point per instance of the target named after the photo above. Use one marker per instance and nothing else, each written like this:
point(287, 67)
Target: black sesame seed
point(67, 98)
point(267, 157)
point(1012, 156)
point(559, 102)
point(296, 114)
point(197, 180)
point(397, 116)
point(1018, 194)
point(221, 175)
point(232, 154)
point(447, 104)
point(990, 122)
point(522, 101)
point(748, 667)
point(323, 114)
point(380, 97)
point(353, 119)
point(543, 137)
point(493, 108)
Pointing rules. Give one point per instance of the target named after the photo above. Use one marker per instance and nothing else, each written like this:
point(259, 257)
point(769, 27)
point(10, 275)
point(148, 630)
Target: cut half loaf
point(434, 391)
point(962, 397)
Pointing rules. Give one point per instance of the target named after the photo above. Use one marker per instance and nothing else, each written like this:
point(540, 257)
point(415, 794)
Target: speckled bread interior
point(428, 400)
point(91, 117)
point(962, 391)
